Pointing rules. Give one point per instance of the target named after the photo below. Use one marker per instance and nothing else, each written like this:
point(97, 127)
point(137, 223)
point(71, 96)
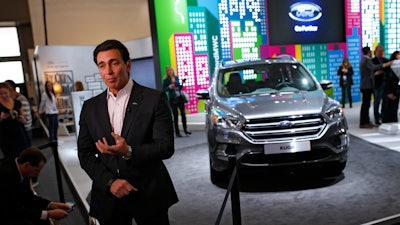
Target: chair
point(234, 84)
point(251, 85)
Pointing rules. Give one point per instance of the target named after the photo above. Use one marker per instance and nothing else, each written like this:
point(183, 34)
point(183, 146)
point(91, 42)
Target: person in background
point(26, 111)
point(12, 132)
point(173, 87)
point(345, 72)
point(48, 105)
point(390, 103)
point(125, 134)
point(367, 84)
point(19, 204)
point(78, 86)
point(380, 82)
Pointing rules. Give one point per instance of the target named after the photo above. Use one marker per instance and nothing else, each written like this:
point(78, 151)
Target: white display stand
point(78, 97)
point(390, 128)
point(66, 128)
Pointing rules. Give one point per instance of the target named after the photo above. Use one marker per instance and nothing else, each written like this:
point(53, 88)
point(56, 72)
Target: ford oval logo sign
point(305, 11)
point(285, 124)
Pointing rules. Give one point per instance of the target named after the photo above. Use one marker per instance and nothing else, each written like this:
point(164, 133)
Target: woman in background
point(12, 131)
point(345, 72)
point(48, 105)
point(172, 87)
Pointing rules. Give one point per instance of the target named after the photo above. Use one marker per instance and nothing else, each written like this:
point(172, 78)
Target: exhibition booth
point(194, 37)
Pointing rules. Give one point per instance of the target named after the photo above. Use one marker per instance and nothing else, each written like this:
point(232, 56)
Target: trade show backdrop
point(194, 36)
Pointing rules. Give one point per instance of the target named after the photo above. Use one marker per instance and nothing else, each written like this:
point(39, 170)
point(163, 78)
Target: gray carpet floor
point(368, 190)
point(48, 187)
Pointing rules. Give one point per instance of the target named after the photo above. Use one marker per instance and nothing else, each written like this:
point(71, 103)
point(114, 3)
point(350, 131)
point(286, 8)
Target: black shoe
point(188, 133)
point(178, 135)
point(368, 126)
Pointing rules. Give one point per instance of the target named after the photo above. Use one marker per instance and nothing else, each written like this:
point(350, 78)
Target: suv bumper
point(330, 147)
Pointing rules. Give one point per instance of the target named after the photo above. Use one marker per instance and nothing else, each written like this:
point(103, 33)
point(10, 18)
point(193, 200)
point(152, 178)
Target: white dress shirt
point(117, 106)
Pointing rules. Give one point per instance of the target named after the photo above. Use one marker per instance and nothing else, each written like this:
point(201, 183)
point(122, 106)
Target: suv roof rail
point(287, 56)
point(232, 62)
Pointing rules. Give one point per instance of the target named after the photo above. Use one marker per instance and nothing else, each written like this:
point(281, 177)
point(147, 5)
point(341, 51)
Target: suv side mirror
point(326, 84)
point(203, 94)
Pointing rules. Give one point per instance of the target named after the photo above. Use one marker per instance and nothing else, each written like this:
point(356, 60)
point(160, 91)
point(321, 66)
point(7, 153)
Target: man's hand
point(388, 63)
point(59, 205)
point(120, 188)
point(4, 115)
point(120, 148)
point(21, 119)
point(391, 96)
point(56, 213)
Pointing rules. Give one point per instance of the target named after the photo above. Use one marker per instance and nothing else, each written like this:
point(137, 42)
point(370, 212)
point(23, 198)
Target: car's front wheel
point(218, 177)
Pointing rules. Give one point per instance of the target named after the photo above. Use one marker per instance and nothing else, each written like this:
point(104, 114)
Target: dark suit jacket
point(367, 69)
point(147, 128)
point(17, 199)
point(381, 77)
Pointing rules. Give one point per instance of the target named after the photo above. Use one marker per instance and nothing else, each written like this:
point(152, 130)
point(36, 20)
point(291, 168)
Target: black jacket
point(349, 76)
point(147, 128)
point(16, 197)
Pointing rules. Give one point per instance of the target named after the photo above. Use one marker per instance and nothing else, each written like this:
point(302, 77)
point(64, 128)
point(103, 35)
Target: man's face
point(113, 70)
point(29, 171)
point(379, 52)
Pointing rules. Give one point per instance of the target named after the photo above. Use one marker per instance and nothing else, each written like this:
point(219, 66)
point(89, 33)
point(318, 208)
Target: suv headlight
point(224, 120)
point(334, 112)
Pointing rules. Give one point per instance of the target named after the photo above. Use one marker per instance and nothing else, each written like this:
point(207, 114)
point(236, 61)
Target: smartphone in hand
point(72, 204)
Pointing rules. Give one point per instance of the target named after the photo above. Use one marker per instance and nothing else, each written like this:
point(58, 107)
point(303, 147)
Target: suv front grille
point(301, 126)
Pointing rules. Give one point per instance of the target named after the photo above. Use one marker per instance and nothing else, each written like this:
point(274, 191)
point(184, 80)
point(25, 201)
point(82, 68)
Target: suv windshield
point(264, 79)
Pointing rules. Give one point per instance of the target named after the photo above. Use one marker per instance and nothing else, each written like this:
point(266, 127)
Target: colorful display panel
point(391, 26)
point(194, 36)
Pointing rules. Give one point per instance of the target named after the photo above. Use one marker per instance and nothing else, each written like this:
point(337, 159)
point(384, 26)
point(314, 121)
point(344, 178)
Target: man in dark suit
point(19, 205)
point(125, 133)
point(367, 70)
point(380, 82)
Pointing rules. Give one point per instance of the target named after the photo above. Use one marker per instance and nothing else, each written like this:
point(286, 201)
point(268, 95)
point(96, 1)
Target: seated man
point(19, 205)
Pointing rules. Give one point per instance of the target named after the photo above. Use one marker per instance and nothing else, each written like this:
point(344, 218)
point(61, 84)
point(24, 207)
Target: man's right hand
point(56, 213)
point(120, 188)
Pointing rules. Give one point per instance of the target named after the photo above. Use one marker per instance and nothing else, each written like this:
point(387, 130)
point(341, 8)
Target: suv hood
point(279, 104)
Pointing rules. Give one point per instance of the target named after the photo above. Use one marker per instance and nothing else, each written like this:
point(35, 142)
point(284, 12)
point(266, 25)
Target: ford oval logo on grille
point(305, 11)
point(285, 124)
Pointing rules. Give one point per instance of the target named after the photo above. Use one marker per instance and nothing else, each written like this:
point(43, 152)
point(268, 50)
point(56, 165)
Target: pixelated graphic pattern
point(250, 11)
point(190, 66)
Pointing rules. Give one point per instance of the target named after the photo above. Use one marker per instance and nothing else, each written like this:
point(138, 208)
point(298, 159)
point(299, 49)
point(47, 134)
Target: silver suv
point(272, 113)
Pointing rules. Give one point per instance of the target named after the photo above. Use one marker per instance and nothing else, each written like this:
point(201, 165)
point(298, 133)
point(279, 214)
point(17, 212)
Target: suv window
point(261, 79)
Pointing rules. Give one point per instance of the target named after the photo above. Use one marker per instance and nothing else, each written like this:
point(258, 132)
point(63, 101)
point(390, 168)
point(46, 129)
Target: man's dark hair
point(32, 155)
point(111, 44)
point(12, 83)
point(366, 50)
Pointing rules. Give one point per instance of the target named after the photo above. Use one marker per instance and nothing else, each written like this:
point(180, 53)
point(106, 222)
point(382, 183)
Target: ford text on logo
point(305, 11)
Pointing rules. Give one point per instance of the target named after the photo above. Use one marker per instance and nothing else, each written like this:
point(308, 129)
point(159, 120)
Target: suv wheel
point(217, 177)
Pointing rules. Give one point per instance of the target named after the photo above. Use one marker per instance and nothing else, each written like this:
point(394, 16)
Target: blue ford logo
point(305, 11)
point(285, 124)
